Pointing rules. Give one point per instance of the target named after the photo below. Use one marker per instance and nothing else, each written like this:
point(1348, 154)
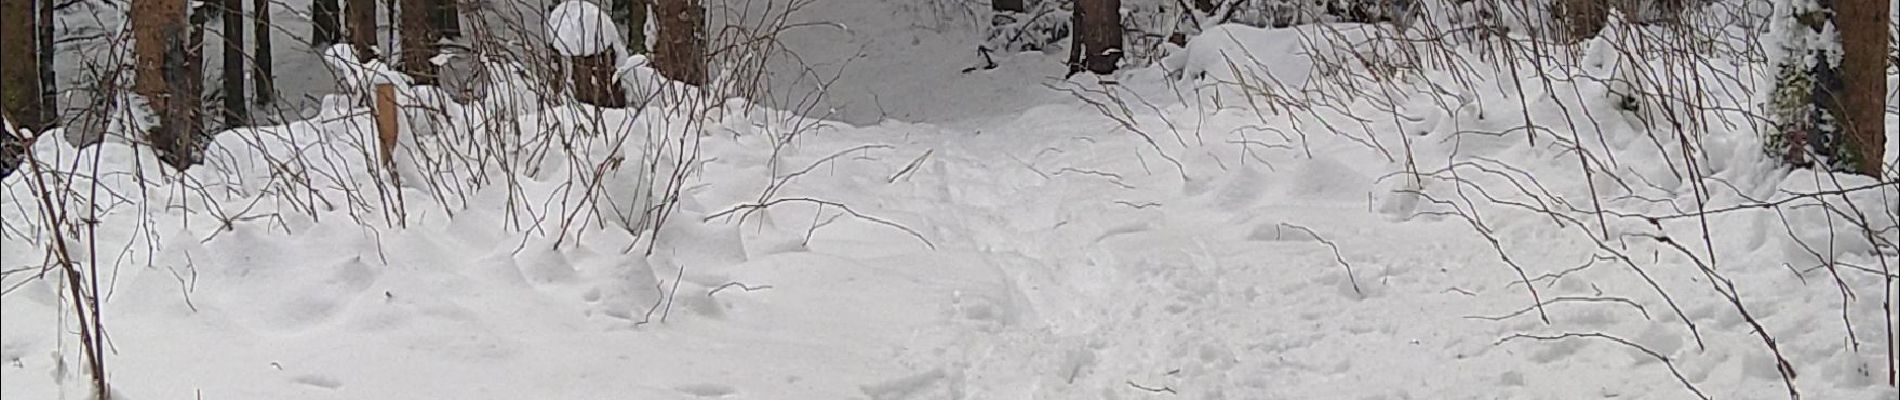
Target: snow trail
point(1066, 259)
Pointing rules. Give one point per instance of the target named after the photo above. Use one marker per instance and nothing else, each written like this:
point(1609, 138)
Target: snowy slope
point(1014, 243)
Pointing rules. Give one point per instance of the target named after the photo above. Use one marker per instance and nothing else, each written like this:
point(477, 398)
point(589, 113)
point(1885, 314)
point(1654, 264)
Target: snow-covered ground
point(980, 235)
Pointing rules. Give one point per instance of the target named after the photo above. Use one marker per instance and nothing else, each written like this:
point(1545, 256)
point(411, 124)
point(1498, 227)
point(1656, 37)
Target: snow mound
point(580, 28)
point(1288, 57)
point(352, 74)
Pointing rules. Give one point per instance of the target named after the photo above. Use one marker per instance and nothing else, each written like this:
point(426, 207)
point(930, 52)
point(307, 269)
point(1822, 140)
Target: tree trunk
point(1206, 6)
point(20, 100)
point(1830, 110)
point(20, 92)
point(187, 106)
point(417, 28)
point(263, 74)
point(448, 18)
point(1581, 19)
point(235, 113)
point(1098, 37)
point(594, 81)
point(632, 15)
point(360, 18)
point(325, 29)
point(681, 54)
point(161, 43)
point(1863, 27)
point(1015, 6)
point(49, 84)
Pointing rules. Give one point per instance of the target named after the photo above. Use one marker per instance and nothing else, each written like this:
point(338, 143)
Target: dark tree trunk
point(162, 45)
point(416, 23)
point(1864, 25)
point(632, 15)
point(1098, 37)
point(1581, 19)
point(188, 104)
point(1008, 6)
point(49, 84)
point(448, 18)
point(360, 18)
point(594, 81)
point(20, 94)
point(681, 55)
point(232, 14)
point(20, 91)
point(263, 74)
point(325, 27)
point(1835, 110)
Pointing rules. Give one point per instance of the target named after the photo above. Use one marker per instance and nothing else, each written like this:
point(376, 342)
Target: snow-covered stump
point(587, 40)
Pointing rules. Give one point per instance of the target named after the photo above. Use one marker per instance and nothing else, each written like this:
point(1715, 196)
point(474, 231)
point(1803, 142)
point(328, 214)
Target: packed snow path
point(1065, 259)
point(1067, 264)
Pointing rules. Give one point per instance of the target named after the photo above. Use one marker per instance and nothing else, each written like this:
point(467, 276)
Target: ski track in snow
point(1070, 262)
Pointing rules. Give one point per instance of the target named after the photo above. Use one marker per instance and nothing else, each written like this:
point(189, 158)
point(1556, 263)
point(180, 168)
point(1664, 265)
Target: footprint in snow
point(322, 381)
point(1281, 232)
point(707, 389)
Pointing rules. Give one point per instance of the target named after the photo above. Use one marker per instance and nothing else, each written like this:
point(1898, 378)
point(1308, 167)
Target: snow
point(1030, 247)
point(1279, 57)
point(581, 28)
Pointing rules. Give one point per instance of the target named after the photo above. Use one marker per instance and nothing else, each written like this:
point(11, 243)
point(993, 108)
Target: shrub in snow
point(1286, 13)
point(1046, 23)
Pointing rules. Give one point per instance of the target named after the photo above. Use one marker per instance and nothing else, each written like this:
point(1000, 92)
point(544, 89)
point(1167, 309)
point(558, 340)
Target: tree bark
point(448, 18)
point(1206, 6)
point(235, 113)
point(1863, 27)
point(49, 84)
point(1581, 19)
point(418, 40)
point(360, 18)
point(1008, 6)
point(1098, 37)
point(594, 81)
point(20, 91)
point(162, 46)
point(325, 28)
point(632, 15)
point(681, 54)
point(263, 74)
point(187, 107)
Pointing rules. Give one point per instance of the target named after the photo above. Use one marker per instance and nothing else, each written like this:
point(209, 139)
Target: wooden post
point(386, 113)
point(386, 125)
